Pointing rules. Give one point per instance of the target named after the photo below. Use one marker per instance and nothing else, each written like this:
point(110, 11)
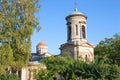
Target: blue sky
point(103, 21)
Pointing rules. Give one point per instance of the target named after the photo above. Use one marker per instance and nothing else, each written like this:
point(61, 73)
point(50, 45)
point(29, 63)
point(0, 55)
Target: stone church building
point(27, 73)
point(77, 45)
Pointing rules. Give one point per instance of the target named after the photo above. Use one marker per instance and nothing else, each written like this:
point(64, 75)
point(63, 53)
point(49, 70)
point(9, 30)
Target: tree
point(108, 58)
point(17, 24)
point(109, 48)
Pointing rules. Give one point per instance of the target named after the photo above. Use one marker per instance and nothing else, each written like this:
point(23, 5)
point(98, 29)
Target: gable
point(87, 44)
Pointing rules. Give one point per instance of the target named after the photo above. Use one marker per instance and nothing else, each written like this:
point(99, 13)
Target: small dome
point(42, 44)
point(76, 13)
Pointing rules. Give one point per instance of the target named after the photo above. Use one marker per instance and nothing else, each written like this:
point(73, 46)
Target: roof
point(42, 44)
point(76, 13)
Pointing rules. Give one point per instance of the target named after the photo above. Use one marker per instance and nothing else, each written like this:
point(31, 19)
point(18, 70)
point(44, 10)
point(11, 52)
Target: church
point(76, 46)
point(34, 64)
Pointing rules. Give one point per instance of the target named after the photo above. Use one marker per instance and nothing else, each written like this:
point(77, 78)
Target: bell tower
point(76, 27)
point(77, 45)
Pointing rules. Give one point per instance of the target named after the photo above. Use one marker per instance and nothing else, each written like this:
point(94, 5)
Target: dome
point(42, 44)
point(76, 13)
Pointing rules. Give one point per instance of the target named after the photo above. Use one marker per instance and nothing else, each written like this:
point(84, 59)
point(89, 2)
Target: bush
point(9, 77)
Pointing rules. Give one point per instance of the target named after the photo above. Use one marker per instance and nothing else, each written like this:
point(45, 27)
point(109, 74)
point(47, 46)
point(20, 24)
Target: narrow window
point(76, 29)
point(69, 32)
point(86, 58)
point(83, 32)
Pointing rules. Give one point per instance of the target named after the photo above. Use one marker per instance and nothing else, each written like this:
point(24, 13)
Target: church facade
point(77, 45)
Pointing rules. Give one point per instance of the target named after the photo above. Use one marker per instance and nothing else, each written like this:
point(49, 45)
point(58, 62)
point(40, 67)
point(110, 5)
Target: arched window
point(76, 29)
point(83, 32)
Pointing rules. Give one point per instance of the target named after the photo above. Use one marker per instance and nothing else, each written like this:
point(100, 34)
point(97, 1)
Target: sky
point(103, 21)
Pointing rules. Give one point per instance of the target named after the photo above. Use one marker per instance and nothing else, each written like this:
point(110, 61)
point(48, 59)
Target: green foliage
point(107, 54)
point(64, 66)
point(6, 56)
point(55, 66)
point(70, 69)
point(17, 24)
point(9, 77)
point(109, 49)
point(61, 63)
point(45, 75)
